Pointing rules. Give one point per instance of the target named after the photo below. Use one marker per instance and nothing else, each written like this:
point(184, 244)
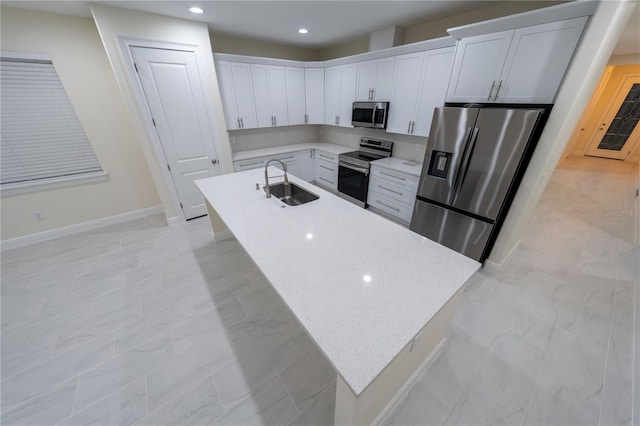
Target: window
point(42, 140)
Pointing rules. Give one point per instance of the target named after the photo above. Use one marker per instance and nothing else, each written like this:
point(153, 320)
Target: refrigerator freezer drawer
point(461, 233)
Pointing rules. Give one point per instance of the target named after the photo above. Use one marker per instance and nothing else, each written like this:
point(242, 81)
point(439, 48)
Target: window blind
point(41, 136)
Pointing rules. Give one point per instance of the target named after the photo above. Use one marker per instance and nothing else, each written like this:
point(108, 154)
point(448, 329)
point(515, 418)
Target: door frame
point(126, 43)
point(610, 112)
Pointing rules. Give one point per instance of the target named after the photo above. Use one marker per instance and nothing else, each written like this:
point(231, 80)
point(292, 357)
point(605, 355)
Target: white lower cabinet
point(392, 193)
point(306, 165)
point(327, 170)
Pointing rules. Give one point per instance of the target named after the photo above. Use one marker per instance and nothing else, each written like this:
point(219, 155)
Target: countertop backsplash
point(404, 147)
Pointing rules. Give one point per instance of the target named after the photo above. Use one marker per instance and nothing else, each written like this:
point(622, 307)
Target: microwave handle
point(373, 116)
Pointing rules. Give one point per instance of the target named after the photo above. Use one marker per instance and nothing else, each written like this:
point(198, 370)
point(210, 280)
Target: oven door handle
point(353, 167)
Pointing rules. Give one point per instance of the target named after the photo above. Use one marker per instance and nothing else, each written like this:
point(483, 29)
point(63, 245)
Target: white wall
point(580, 81)
point(112, 23)
point(76, 50)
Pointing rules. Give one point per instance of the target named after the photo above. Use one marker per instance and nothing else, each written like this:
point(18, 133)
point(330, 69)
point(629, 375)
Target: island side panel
point(388, 388)
point(220, 229)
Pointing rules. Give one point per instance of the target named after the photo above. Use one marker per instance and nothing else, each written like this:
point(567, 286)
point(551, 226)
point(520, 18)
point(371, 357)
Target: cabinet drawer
point(327, 181)
point(402, 193)
point(326, 174)
point(326, 167)
point(252, 163)
point(399, 178)
point(391, 207)
point(322, 155)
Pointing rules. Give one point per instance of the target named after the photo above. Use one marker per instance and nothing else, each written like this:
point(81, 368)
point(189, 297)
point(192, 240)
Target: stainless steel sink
point(293, 195)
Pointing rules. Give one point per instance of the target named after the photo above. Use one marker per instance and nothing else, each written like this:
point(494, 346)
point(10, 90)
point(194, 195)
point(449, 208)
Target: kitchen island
point(376, 298)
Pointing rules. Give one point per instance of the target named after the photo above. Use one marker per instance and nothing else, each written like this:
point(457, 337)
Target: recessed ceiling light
point(196, 9)
point(303, 30)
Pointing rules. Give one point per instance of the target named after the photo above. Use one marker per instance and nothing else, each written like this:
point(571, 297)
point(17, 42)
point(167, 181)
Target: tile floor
point(138, 323)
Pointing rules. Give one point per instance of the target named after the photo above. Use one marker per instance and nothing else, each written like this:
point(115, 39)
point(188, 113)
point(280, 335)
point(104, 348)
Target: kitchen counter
point(283, 149)
point(362, 286)
point(412, 168)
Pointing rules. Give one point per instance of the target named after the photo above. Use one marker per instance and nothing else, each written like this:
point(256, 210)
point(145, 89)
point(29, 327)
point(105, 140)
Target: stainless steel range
point(353, 169)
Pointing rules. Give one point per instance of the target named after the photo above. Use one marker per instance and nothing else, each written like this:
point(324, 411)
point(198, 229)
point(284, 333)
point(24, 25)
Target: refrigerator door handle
point(467, 136)
point(464, 164)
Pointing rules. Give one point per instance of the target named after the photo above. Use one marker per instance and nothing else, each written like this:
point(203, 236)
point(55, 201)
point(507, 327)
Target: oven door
point(353, 181)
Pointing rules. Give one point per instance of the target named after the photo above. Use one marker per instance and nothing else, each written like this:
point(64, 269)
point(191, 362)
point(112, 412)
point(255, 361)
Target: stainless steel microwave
point(370, 114)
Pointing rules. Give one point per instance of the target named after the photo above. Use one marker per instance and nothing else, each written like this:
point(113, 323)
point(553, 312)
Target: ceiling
point(329, 21)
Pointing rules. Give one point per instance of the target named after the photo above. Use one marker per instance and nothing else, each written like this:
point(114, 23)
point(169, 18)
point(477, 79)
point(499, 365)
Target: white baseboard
point(406, 388)
point(78, 227)
point(173, 221)
point(494, 267)
point(222, 235)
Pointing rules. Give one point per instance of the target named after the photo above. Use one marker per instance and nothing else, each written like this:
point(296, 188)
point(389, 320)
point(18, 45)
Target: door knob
point(214, 161)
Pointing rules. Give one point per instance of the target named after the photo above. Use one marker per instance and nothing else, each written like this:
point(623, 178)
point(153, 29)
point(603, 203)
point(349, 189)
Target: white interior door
point(618, 131)
point(173, 90)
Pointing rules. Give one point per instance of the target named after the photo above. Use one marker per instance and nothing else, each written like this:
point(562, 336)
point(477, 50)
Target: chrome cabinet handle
point(493, 85)
point(387, 206)
point(241, 123)
point(238, 119)
point(306, 119)
point(498, 91)
point(326, 168)
point(413, 125)
point(396, 177)
point(409, 127)
point(390, 190)
point(324, 156)
point(326, 180)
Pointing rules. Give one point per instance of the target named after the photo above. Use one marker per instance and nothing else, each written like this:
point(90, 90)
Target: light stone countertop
point(361, 285)
point(412, 168)
point(283, 149)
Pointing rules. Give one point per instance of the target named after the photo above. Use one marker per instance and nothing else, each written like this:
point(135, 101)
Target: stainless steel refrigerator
point(475, 158)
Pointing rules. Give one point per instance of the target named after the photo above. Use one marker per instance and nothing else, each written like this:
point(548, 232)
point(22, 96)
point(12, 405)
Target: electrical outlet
point(417, 147)
point(414, 342)
point(37, 215)
point(232, 139)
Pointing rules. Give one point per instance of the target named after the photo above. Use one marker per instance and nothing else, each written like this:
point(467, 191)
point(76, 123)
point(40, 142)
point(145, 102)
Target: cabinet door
point(306, 165)
point(227, 92)
point(384, 79)
point(314, 91)
point(366, 80)
point(295, 80)
point(243, 89)
point(406, 84)
point(477, 67)
point(332, 78)
point(347, 93)
point(436, 70)
point(260, 80)
point(537, 60)
point(278, 95)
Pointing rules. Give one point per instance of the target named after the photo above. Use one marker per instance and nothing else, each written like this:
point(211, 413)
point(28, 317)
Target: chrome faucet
point(267, 188)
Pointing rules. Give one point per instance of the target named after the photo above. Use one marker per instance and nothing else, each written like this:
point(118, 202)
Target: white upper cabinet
point(296, 103)
point(237, 95)
point(419, 85)
point(517, 66)
point(375, 79)
point(270, 95)
point(340, 93)
point(537, 60)
point(477, 67)
point(314, 95)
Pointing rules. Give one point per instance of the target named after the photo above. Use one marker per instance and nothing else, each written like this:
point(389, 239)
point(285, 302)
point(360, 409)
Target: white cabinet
point(306, 165)
point(270, 95)
point(375, 79)
point(419, 85)
point(237, 95)
point(314, 95)
point(327, 170)
point(305, 95)
point(340, 92)
point(392, 193)
point(296, 102)
point(517, 66)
